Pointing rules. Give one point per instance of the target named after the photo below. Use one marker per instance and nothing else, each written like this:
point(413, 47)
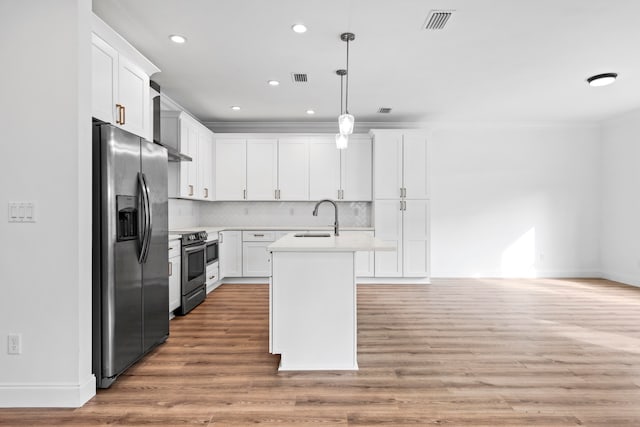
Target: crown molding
point(304, 127)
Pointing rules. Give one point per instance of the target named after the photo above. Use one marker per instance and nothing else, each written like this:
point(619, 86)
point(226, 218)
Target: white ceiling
point(524, 60)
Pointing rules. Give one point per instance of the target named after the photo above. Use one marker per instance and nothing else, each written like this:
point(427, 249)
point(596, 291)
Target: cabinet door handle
point(404, 206)
point(124, 116)
point(206, 193)
point(244, 194)
point(275, 194)
point(221, 237)
point(191, 190)
point(258, 235)
point(400, 204)
point(118, 114)
point(212, 277)
point(170, 269)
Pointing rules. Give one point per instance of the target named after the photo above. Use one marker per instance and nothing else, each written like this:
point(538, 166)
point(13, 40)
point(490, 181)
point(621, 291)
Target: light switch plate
point(22, 212)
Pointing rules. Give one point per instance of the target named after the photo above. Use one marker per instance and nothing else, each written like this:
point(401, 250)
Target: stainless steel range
point(194, 268)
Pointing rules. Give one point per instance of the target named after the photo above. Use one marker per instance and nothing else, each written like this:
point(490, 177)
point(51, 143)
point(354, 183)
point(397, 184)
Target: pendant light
point(345, 120)
point(342, 140)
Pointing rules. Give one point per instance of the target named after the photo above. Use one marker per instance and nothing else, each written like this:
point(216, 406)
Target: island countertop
point(352, 242)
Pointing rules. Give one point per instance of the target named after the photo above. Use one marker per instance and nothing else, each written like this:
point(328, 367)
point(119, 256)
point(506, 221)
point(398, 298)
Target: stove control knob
point(192, 237)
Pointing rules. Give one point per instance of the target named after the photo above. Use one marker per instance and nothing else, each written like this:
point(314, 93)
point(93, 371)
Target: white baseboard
point(246, 280)
point(393, 280)
point(550, 274)
point(622, 278)
point(47, 395)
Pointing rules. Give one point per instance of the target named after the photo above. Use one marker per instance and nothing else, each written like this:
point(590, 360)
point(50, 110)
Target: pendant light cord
point(341, 95)
point(346, 101)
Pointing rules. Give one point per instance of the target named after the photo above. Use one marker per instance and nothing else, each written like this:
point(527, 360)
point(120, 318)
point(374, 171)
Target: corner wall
point(515, 200)
point(621, 199)
point(45, 289)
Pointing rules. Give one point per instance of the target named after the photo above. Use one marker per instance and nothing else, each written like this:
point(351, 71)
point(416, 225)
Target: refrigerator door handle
point(149, 213)
point(142, 233)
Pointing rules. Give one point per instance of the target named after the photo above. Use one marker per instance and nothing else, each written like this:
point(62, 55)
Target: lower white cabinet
point(230, 256)
point(175, 274)
point(364, 260)
point(405, 225)
point(212, 276)
point(256, 260)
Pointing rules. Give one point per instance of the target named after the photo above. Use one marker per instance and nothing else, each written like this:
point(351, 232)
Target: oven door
point(193, 267)
point(212, 252)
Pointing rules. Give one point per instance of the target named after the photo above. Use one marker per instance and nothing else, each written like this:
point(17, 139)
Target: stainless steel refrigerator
point(130, 257)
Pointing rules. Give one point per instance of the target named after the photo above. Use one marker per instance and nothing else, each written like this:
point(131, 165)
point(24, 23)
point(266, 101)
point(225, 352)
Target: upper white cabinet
point(401, 165)
point(324, 169)
point(189, 180)
point(356, 178)
point(231, 169)
point(120, 82)
point(262, 169)
point(340, 174)
point(293, 169)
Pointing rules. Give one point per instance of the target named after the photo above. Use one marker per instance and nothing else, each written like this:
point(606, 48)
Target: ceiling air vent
point(299, 77)
point(384, 110)
point(437, 19)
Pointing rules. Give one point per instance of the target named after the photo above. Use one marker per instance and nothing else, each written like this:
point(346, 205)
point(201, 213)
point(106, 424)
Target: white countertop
point(352, 242)
point(217, 228)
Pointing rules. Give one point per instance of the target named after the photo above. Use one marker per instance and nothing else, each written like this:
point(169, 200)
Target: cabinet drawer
point(174, 248)
point(258, 236)
point(212, 274)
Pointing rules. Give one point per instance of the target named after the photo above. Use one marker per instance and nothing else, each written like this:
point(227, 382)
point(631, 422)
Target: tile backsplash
point(183, 213)
point(186, 213)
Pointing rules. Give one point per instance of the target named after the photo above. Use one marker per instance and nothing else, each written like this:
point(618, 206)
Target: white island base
point(313, 310)
point(312, 295)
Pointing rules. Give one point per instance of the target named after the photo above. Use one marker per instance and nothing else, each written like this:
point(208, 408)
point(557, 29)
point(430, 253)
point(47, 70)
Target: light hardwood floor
point(456, 352)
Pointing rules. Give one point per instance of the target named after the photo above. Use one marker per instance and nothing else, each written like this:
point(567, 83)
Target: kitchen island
point(312, 296)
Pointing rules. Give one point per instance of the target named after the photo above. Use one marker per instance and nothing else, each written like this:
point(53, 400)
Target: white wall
point(620, 256)
point(45, 293)
point(515, 200)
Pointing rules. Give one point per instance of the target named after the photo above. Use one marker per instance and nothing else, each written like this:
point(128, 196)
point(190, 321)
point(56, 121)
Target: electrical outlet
point(14, 344)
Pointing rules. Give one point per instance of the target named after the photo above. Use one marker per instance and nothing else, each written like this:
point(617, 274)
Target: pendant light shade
point(345, 124)
point(341, 141)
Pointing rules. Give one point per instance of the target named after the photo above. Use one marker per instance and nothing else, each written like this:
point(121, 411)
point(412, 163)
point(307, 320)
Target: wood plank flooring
point(456, 352)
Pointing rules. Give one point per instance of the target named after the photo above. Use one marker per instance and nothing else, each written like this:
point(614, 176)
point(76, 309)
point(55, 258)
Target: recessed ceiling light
point(310, 112)
point(176, 38)
point(235, 108)
point(273, 82)
point(299, 28)
point(602, 79)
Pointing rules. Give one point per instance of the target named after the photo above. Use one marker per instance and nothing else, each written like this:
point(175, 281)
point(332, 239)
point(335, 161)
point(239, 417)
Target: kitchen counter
point(218, 228)
point(352, 242)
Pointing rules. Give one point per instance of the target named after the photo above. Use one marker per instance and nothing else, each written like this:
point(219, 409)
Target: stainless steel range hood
point(174, 154)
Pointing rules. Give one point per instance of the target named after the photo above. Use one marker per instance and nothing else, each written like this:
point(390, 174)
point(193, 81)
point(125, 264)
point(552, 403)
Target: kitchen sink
point(312, 235)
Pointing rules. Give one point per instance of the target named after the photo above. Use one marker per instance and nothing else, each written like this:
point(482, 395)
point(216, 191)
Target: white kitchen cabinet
point(415, 165)
point(293, 169)
point(415, 238)
point(120, 82)
point(231, 169)
point(230, 254)
point(324, 169)
point(262, 169)
point(104, 82)
point(401, 164)
point(364, 260)
point(194, 179)
point(256, 260)
point(175, 274)
point(212, 278)
point(388, 228)
point(205, 161)
point(355, 181)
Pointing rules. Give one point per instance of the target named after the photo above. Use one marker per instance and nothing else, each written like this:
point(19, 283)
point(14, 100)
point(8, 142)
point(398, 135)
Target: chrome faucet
point(335, 224)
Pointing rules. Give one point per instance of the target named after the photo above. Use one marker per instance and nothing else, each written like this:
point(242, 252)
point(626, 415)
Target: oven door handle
point(142, 230)
point(149, 213)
